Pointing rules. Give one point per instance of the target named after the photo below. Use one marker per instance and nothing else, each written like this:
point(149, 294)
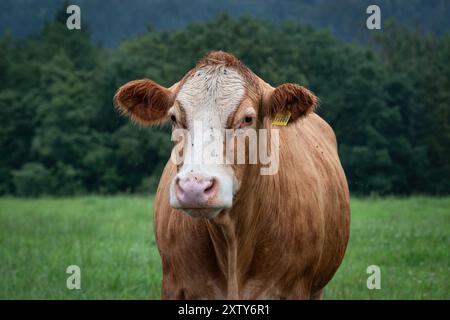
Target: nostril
point(178, 184)
point(211, 184)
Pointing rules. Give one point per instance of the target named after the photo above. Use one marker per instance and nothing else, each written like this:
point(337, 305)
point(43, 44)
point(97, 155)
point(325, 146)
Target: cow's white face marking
point(209, 97)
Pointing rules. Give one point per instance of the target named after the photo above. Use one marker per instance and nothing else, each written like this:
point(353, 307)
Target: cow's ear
point(144, 101)
point(291, 97)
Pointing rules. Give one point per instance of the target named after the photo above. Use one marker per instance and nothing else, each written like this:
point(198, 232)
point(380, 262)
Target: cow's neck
point(233, 234)
point(225, 242)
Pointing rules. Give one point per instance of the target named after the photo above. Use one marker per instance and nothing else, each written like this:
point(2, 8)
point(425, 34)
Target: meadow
point(111, 240)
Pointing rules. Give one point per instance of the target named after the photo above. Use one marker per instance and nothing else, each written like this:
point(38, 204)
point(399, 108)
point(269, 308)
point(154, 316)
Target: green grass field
point(111, 239)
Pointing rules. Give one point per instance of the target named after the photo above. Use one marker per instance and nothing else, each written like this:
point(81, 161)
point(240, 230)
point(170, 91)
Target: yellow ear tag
point(282, 119)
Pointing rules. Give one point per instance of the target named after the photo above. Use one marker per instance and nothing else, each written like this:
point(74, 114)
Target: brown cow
point(225, 230)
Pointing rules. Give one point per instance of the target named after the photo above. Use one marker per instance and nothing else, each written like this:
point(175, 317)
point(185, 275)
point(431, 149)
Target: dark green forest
point(115, 20)
point(388, 102)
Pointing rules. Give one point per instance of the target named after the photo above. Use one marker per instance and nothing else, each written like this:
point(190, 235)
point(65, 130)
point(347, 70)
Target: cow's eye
point(173, 118)
point(247, 121)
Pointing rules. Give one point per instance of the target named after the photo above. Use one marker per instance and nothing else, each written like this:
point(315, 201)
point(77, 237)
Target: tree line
point(114, 20)
point(388, 102)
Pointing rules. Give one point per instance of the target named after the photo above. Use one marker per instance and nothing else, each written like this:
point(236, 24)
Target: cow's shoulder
point(322, 128)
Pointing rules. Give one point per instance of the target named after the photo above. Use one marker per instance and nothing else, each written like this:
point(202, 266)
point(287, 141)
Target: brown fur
point(144, 100)
point(229, 61)
point(293, 98)
point(285, 235)
point(284, 238)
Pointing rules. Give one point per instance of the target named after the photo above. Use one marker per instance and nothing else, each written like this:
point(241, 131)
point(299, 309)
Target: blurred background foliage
point(386, 94)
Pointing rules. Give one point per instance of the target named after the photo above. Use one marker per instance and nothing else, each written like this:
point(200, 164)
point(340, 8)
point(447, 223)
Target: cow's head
point(220, 95)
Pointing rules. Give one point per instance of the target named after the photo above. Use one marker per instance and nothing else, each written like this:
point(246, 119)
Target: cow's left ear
point(291, 97)
point(144, 101)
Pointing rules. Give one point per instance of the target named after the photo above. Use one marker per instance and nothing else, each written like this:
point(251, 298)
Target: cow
point(225, 230)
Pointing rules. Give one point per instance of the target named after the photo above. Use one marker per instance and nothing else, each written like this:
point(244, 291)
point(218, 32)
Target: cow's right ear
point(144, 101)
point(288, 97)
